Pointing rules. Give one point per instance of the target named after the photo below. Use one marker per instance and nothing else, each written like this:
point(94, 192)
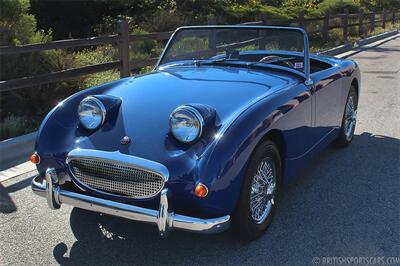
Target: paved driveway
point(346, 204)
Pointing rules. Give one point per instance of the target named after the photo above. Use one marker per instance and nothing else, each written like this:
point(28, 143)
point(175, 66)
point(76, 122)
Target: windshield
point(280, 46)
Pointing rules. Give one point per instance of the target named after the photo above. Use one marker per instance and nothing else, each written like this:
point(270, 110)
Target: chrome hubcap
point(262, 192)
point(350, 118)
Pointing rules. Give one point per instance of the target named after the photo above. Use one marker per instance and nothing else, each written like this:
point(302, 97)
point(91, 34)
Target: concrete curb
point(338, 50)
point(349, 46)
point(377, 37)
point(26, 169)
point(16, 150)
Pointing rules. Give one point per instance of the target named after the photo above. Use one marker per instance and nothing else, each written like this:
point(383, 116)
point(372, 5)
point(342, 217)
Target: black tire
point(243, 222)
point(344, 138)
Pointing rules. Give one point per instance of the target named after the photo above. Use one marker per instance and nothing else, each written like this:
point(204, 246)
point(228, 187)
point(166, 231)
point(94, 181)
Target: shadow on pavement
point(7, 205)
point(345, 204)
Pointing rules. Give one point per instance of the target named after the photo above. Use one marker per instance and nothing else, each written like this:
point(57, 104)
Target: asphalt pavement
point(345, 204)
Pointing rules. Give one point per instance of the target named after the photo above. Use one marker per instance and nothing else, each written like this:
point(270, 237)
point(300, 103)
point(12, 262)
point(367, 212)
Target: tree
point(17, 26)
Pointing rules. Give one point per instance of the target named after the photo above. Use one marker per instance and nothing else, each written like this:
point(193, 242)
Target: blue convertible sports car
point(207, 139)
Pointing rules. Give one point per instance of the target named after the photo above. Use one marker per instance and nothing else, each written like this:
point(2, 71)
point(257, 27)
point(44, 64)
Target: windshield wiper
point(199, 62)
point(271, 61)
point(214, 61)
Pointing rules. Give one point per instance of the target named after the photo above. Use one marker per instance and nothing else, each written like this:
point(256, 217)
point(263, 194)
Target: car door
point(325, 101)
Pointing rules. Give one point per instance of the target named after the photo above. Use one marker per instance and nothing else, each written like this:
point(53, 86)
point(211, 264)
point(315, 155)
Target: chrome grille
point(116, 178)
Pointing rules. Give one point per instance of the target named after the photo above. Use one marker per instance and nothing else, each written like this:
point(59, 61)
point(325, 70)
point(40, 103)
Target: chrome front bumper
point(163, 218)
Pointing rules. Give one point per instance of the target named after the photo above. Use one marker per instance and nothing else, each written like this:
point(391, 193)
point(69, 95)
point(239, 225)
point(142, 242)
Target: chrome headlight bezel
point(96, 103)
point(196, 115)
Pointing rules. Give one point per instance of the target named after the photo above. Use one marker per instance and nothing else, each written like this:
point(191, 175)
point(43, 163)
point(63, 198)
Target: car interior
point(286, 60)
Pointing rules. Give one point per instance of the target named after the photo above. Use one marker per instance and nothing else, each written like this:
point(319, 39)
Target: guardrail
point(17, 150)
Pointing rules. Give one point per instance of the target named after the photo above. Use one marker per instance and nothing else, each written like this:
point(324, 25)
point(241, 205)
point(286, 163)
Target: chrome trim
point(350, 118)
point(163, 218)
point(308, 81)
point(39, 188)
point(262, 192)
point(52, 189)
point(198, 116)
point(102, 108)
point(117, 158)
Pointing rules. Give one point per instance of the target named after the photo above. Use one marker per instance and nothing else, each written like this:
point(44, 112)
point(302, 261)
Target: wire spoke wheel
point(350, 118)
point(262, 191)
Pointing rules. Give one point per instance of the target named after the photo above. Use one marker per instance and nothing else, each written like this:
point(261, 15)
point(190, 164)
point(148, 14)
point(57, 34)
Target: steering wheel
point(280, 60)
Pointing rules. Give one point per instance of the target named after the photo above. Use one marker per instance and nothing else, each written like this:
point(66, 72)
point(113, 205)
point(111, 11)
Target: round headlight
point(92, 113)
point(186, 124)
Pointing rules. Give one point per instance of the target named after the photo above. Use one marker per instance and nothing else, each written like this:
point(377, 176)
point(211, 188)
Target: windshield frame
point(306, 54)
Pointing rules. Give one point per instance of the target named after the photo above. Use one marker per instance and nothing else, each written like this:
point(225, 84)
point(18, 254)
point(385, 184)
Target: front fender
point(57, 132)
point(224, 166)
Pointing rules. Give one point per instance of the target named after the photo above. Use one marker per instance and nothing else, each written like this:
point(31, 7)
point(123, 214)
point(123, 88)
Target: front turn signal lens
point(35, 158)
point(201, 190)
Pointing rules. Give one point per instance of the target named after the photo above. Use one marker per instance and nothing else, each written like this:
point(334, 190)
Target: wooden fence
point(314, 27)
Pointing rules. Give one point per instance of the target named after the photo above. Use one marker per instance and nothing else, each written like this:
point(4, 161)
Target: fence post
point(383, 18)
point(300, 20)
point(372, 21)
point(212, 43)
point(325, 31)
point(345, 22)
point(123, 32)
point(264, 19)
point(393, 17)
point(360, 24)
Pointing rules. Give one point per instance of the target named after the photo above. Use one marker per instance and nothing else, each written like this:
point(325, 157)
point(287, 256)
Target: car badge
point(125, 140)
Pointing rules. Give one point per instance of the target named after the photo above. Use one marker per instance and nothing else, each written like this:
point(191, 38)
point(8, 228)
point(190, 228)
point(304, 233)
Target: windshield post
point(308, 81)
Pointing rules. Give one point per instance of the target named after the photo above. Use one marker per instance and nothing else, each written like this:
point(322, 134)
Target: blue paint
point(241, 106)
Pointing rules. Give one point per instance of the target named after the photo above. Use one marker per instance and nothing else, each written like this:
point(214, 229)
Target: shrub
point(248, 12)
point(101, 54)
point(338, 6)
point(378, 5)
point(163, 21)
point(22, 110)
point(307, 4)
point(17, 26)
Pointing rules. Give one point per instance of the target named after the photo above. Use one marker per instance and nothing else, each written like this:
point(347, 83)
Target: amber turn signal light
point(201, 190)
point(35, 158)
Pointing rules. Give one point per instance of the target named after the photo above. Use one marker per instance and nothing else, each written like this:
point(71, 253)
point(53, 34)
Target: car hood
point(148, 100)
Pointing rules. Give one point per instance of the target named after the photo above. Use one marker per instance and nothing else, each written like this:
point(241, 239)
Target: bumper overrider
point(163, 218)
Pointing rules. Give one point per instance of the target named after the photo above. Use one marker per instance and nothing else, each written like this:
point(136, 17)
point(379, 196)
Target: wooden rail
point(38, 47)
point(13, 84)
point(364, 21)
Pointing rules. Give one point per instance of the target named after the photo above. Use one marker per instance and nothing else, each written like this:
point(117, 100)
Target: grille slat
point(115, 178)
